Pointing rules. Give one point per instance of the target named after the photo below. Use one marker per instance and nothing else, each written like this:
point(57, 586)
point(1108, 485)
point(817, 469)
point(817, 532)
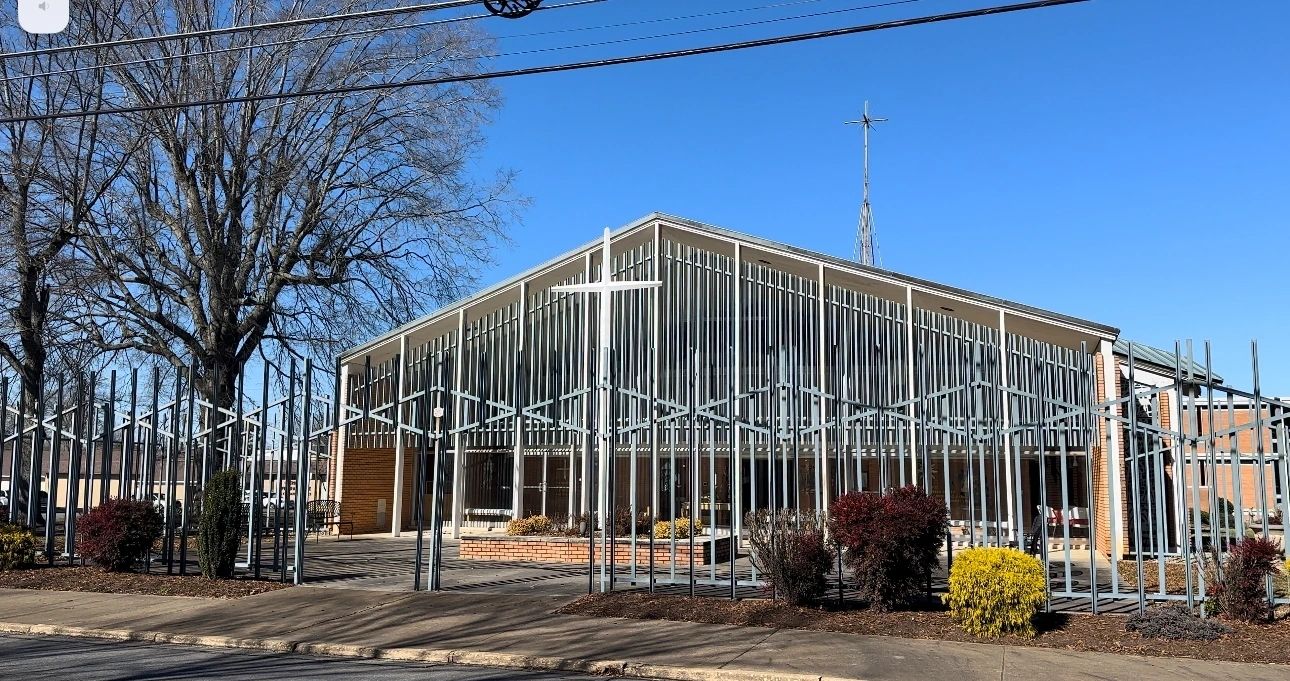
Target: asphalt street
point(32, 658)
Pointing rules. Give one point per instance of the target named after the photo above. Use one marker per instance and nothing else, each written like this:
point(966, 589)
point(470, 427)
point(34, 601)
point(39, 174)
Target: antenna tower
point(866, 248)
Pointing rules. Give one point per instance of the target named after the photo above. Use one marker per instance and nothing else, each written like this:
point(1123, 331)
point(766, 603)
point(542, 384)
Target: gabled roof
point(1162, 360)
point(955, 302)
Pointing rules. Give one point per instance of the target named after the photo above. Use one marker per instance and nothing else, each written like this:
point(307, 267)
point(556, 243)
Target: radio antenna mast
point(866, 248)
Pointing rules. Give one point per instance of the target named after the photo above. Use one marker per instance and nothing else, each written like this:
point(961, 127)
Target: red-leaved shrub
point(892, 542)
point(1241, 592)
point(118, 533)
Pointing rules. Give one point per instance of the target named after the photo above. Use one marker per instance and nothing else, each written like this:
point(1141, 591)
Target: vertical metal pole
point(419, 482)
point(1262, 462)
point(521, 391)
point(127, 479)
point(90, 436)
point(693, 437)
point(211, 431)
point(11, 512)
point(736, 381)
point(172, 471)
point(233, 454)
point(1180, 462)
point(340, 430)
point(400, 454)
point(302, 469)
point(257, 472)
point(839, 455)
point(37, 453)
point(109, 437)
point(609, 538)
point(1041, 444)
point(441, 425)
point(189, 497)
point(1132, 403)
point(150, 465)
point(80, 435)
point(288, 411)
point(969, 388)
point(590, 479)
point(1088, 393)
point(1195, 465)
point(910, 388)
point(55, 455)
point(1015, 515)
point(459, 455)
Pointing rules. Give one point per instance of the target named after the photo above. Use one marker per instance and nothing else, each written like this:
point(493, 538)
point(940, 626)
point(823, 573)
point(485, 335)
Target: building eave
point(387, 343)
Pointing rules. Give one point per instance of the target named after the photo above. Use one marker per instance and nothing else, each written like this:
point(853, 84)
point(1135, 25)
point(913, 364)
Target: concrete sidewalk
point(519, 631)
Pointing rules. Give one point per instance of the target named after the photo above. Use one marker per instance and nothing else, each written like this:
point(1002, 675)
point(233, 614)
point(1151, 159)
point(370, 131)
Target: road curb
point(472, 658)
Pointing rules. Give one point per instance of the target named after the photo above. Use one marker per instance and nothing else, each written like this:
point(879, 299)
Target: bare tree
point(52, 174)
point(289, 225)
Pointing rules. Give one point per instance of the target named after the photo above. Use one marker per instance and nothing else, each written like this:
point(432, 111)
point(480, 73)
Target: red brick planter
point(574, 549)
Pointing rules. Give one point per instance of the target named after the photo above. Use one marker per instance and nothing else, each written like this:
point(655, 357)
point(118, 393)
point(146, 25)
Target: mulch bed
point(1176, 577)
point(77, 578)
point(1269, 643)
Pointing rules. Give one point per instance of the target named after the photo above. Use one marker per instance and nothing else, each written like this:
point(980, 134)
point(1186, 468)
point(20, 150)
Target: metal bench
point(326, 513)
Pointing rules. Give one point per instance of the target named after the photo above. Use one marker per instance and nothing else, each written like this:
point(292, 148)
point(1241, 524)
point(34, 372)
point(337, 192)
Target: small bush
point(1241, 590)
point(996, 591)
point(17, 547)
point(221, 522)
point(892, 542)
point(118, 533)
point(790, 552)
point(1175, 623)
point(663, 529)
point(532, 526)
point(575, 526)
point(626, 526)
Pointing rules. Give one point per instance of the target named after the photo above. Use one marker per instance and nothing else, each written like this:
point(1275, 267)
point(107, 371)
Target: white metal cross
point(605, 288)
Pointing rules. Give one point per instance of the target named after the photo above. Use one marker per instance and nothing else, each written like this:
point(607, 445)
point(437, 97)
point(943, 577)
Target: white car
point(267, 500)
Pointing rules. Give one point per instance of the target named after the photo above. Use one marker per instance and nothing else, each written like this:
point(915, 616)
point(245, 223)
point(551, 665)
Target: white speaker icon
point(43, 16)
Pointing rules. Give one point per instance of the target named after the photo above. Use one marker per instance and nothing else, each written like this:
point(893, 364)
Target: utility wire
point(661, 20)
point(694, 31)
point(279, 43)
point(558, 68)
point(471, 17)
point(226, 30)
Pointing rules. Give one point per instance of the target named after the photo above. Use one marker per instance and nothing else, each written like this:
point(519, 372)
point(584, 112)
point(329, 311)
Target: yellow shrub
point(17, 547)
point(532, 526)
point(995, 591)
point(663, 528)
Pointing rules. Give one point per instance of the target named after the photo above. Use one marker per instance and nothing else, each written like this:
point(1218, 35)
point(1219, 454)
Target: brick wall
point(1221, 484)
point(368, 479)
point(574, 550)
point(368, 488)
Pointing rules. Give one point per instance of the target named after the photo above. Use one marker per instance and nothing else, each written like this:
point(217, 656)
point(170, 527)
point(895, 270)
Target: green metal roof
point(1162, 359)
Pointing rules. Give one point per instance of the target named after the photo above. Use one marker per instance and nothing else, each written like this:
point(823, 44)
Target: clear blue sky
point(1125, 161)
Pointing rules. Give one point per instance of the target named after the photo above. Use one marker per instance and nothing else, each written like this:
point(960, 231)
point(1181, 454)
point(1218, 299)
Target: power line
point(710, 29)
point(278, 43)
point(436, 22)
point(661, 20)
point(226, 30)
point(557, 68)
